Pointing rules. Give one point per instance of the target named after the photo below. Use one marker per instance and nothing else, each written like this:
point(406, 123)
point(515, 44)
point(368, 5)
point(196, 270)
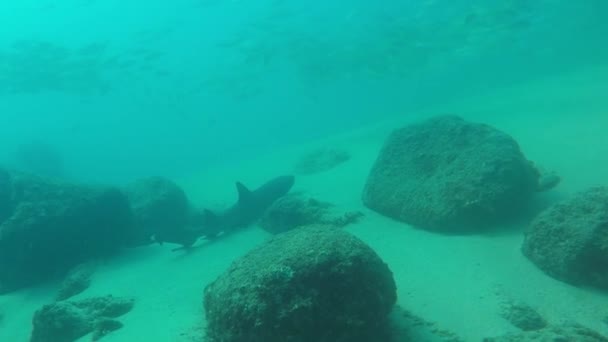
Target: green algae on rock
point(449, 175)
point(569, 240)
point(309, 284)
point(76, 281)
point(67, 321)
point(522, 316)
point(298, 210)
point(53, 226)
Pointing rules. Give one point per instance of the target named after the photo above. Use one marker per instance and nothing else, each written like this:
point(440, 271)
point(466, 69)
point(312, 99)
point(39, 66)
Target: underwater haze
point(303, 171)
point(121, 89)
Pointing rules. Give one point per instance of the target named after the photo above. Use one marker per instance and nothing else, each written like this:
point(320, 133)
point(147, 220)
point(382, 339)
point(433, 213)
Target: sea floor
point(455, 283)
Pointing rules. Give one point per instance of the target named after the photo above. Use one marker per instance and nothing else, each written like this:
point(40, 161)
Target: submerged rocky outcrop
point(569, 241)
point(67, 321)
point(450, 175)
point(161, 210)
point(309, 284)
point(297, 210)
point(522, 316)
point(48, 227)
point(76, 281)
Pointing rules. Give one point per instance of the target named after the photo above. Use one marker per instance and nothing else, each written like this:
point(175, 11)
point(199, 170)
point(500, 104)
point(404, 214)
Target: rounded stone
point(313, 283)
point(569, 241)
point(449, 175)
point(53, 226)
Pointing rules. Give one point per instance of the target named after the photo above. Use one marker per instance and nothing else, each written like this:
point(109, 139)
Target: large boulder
point(161, 210)
point(569, 240)
point(450, 175)
point(310, 284)
point(54, 226)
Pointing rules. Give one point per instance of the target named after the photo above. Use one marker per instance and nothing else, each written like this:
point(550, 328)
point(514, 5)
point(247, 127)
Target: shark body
point(248, 209)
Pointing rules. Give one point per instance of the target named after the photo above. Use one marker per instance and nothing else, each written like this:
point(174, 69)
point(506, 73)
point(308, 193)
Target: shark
point(248, 209)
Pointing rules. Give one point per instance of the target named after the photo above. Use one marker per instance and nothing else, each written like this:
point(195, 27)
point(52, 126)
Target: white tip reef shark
point(248, 209)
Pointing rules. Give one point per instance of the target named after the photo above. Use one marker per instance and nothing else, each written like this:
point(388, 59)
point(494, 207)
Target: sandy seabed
point(456, 283)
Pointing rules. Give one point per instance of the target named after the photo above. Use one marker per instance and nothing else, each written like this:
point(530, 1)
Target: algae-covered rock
point(298, 210)
point(67, 321)
point(105, 326)
point(522, 316)
point(60, 323)
point(76, 281)
point(310, 284)
point(160, 207)
point(54, 226)
point(569, 240)
point(450, 175)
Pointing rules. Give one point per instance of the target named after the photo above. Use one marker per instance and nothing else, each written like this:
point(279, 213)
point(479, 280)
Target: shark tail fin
point(244, 193)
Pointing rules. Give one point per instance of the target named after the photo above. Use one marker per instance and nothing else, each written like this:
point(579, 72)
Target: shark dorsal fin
point(244, 193)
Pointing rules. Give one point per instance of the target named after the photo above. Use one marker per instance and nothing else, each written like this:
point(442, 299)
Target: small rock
point(297, 210)
point(523, 316)
point(67, 321)
point(60, 322)
point(106, 306)
point(77, 280)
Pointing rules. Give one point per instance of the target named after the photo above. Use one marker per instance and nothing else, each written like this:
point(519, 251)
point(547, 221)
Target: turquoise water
point(208, 92)
point(170, 87)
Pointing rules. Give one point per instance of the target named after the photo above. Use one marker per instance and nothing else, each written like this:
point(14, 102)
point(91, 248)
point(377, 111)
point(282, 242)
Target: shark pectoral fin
point(244, 193)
